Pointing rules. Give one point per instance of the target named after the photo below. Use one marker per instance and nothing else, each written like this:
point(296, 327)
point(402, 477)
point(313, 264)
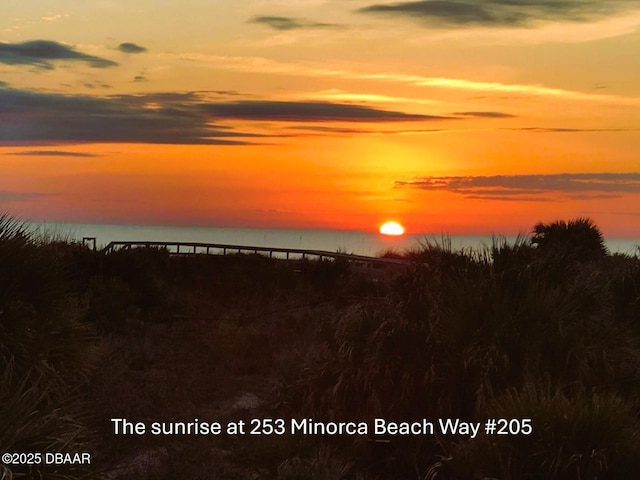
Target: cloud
point(345, 96)
point(484, 114)
point(500, 13)
point(11, 196)
point(54, 18)
point(128, 47)
point(309, 111)
point(269, 66)
point(42, 53)
point(36, 118)
point(97, 84)
point(317, 130)
point(569, 130)
point(228, 93)
point(52, 153)
point(289, 23)
point(140, 78)
point(532, 187)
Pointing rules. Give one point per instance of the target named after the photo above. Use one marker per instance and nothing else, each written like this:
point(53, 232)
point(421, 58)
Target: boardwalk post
point(89, 242)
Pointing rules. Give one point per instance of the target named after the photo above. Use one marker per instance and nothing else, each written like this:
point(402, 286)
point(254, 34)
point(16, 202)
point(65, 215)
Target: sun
point(391, 228)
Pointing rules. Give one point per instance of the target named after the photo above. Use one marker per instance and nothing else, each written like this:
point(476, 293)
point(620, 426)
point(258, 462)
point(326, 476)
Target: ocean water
point(360, 243)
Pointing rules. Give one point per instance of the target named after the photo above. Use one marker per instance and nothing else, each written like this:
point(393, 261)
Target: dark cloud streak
point(51, 153)
point(484, 114)
point(289, 23)
point(37, 118)
point(313, 130)
point(527, 187)
point(42, 53)
point(11, 196)
point(309, 112)
point(569, 130)
point(129, 47)
point(499, 13)
point(33, 118)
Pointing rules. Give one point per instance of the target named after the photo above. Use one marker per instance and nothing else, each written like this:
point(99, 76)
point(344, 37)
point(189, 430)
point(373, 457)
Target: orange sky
point(458, 117)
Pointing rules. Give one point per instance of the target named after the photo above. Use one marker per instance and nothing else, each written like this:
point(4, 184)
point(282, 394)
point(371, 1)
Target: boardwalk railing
point(195, 248)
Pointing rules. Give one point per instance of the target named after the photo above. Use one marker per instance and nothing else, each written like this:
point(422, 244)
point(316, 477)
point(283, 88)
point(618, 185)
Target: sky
point(448, 116)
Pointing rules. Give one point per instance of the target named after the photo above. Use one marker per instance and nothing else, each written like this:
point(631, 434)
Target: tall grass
point(533, 330)
point(46, 349)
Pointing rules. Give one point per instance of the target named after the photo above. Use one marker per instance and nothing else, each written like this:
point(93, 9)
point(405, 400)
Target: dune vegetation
point(546, 329)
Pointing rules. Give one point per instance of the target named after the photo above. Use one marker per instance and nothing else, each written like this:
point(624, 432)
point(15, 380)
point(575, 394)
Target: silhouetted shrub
point(577, 239)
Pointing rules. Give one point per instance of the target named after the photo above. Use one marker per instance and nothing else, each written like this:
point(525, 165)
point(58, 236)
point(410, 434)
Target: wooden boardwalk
point(199, 248)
